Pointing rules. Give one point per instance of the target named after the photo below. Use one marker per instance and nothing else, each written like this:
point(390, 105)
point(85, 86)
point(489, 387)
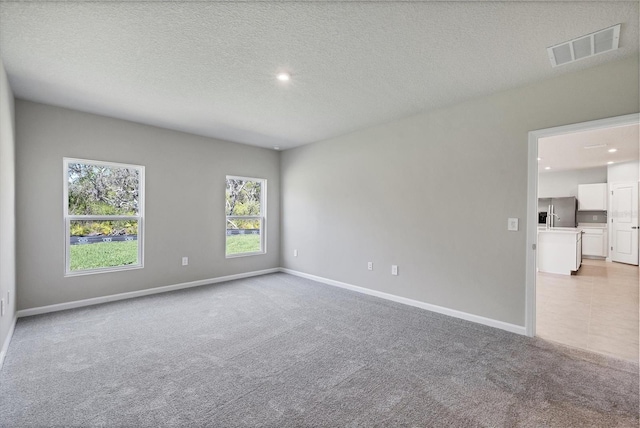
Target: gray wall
point(7, 205)
point(185, 183)
point(432, 194)
point(565, 183)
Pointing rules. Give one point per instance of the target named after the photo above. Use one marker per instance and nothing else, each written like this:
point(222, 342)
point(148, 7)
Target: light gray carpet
point(281, 351)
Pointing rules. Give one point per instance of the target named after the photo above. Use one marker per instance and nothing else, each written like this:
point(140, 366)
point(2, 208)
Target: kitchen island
point(559, 250)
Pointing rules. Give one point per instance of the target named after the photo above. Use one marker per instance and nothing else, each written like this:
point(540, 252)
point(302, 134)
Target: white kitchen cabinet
point(559, 250)
point(592, 197)
point(594, 242)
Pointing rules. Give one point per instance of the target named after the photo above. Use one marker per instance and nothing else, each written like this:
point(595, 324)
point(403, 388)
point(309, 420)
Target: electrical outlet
point(394, 269)
point(185, 261)
point(512, 224)
point(370, 265)
point(295, 253)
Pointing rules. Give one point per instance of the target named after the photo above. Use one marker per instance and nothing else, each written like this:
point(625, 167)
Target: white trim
point(416, 303)
point(406, 301)
point(7, 341)
point(132, 294)
point(236, 255)
point(102, 217)
point(262, 217)
point(532, 237)
point(69, 218)
point(532, 199)
point(102, 270)
point(244, 178)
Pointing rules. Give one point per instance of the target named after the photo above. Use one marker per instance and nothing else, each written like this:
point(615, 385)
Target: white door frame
point(532, 200)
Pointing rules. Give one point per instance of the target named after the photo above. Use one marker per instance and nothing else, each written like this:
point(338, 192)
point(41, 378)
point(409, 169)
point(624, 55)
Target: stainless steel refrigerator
point(564, 209)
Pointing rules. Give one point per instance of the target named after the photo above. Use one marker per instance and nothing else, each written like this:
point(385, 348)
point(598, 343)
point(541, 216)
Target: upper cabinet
point(592, 197)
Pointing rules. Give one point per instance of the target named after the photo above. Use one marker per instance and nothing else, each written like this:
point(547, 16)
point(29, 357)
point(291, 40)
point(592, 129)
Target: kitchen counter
point(559, 249)
point(592, 225)
point(570, 230)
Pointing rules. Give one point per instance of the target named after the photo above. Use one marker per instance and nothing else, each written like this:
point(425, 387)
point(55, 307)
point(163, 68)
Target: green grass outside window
point(238, 244)
point(103, 254)
point(111, 254)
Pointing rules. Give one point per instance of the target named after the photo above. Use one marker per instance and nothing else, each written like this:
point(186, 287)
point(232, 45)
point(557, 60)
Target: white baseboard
point(139, 293)
point(114, 297)
point(7, 340)
point(434, 308)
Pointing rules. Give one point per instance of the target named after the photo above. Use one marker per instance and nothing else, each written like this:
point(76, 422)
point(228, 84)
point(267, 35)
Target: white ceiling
point(209, 67)
point(567, 152)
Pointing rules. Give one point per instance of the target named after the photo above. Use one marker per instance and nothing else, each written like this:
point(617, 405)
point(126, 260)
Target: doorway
point(597, 282)
point(624, 222)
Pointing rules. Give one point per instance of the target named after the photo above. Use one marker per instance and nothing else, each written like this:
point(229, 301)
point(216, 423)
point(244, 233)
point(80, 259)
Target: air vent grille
point(585, 46)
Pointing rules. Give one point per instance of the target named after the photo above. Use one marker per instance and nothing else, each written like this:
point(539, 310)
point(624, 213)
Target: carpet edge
point(139, 293)
point(490, 322)
point(7, 341)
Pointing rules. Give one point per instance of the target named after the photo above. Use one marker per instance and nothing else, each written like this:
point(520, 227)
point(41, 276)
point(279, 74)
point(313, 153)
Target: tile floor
point(596, 309)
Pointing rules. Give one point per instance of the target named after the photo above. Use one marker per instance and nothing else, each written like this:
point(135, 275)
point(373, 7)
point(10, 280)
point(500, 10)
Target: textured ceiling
point(566, 152)
point(209, 68)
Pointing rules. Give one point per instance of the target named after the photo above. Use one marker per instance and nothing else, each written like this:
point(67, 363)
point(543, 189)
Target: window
point(103, 214)
point(245, 211)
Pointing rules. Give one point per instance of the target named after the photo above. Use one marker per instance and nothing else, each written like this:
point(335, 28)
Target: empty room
point(319, 214)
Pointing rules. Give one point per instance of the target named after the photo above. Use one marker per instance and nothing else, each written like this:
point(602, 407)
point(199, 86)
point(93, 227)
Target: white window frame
point(262, 217)
point(69, 218)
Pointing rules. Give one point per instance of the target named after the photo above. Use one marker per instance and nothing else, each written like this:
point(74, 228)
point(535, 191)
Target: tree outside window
point(244, 209)
point(103, 216)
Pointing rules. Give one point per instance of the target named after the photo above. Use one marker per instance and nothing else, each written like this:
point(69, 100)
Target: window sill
point(102, 270)
point(233, 256)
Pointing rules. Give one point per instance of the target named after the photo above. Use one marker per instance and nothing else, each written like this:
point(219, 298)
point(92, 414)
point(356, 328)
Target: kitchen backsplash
point(591, 216)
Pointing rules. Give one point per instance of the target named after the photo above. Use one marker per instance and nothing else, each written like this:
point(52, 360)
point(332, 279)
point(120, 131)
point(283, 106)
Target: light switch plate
point(512, 224)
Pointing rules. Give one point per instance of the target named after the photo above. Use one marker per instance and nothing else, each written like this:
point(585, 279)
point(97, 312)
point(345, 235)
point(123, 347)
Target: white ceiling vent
point(585, 46)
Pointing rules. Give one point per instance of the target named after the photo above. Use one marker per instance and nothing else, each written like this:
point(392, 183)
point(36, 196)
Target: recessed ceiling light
point(283, 77)
point(612, 150)
point(276, 147)
point(539, 159)
point(610, 163)
point(547, 167)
